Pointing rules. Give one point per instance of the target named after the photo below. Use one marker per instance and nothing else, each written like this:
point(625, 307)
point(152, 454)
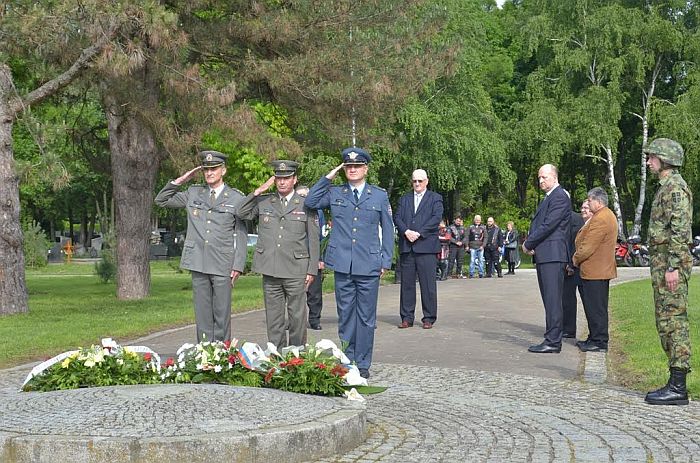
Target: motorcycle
point(638, 252)
point(632, 251)
point(695, 250)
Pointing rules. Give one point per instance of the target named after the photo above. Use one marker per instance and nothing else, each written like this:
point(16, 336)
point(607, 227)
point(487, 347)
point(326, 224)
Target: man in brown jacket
point(595, 257)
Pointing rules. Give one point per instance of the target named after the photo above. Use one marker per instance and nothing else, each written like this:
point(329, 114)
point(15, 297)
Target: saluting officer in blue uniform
point(360, 250)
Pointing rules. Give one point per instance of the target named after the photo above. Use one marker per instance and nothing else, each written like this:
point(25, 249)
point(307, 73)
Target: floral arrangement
point(105, 365)
point(309, 371)
point(321, 369)
point(209, 362)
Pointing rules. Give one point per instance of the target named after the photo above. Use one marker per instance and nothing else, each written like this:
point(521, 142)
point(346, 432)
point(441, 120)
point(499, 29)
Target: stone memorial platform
point(189, 423)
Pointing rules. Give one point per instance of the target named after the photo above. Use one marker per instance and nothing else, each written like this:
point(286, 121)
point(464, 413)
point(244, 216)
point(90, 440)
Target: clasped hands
point(411, 235)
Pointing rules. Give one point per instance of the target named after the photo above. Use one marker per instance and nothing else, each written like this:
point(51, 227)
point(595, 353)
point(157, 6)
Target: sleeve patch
point(676, 197)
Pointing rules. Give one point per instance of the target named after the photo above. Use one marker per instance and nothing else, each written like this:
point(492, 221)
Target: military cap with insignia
point(212, 158)
point(355, 156)
point(284, 168)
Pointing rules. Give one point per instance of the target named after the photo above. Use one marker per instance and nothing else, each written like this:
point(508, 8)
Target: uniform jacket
point(288, 237)
point(549, 229)
point(362, 239)
point(595, 247)
point(670, 223)
point(425, 221)
point(216, 242)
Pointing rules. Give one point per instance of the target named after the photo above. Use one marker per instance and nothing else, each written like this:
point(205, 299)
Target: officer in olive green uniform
point(286, 254)
point(215, 245)
point(671, 264)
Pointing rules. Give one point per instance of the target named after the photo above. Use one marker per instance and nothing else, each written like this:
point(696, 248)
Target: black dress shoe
point(315, 326)
point(544, 348)
point(364, 372)
point(590, 346)
point(568, 335)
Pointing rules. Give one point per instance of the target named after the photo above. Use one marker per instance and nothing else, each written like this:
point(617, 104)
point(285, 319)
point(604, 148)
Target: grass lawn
point(635, 354)
point(69, 307)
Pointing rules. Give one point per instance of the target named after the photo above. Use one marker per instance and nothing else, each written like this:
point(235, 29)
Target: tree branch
point(61, 81)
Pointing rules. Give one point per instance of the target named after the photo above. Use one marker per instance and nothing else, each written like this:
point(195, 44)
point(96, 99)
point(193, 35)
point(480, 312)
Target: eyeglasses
point(418, 181)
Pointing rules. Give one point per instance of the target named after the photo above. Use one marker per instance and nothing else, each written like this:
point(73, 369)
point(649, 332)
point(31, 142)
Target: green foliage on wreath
point(311, 372)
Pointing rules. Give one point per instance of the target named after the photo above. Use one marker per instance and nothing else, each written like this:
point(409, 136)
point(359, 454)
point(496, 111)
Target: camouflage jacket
point(671, 219)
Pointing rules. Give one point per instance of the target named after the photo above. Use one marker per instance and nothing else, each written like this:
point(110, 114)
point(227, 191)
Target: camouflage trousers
point(672, 316)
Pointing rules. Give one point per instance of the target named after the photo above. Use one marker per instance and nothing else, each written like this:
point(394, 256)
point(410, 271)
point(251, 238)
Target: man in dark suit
point(360, 250)
point(548, 241)
point(417, 219)
point(572, 279)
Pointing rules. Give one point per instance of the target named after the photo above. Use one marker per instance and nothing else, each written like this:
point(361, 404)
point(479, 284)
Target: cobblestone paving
point(448, 415)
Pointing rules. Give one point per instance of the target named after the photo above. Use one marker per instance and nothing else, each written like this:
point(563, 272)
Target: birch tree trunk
point(613, 188)
point(646, 103)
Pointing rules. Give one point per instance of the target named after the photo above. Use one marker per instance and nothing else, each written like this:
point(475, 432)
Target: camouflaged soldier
point(671, 264)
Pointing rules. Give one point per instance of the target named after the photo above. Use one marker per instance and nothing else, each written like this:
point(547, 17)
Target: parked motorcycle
point(638, 252)
point(632, 252)
point(695, 250)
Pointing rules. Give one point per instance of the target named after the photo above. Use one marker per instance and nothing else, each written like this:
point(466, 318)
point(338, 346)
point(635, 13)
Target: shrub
point(35, 245)
point(106, 267)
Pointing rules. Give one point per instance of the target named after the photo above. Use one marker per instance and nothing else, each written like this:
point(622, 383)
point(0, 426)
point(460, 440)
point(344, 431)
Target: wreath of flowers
point(321, 369)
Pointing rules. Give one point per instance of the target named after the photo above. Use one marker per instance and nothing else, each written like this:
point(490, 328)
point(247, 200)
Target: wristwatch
point(671, 269)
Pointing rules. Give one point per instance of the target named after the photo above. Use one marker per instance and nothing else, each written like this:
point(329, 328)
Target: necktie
point(212, 197)
point(416, 202)
point(284, 201)
point(357, 197)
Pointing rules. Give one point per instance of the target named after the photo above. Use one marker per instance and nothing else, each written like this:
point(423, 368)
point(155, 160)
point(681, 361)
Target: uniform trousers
point(285, 296)
point(595, 304)
point(424, 265)
point(356, 301)
point(212, 306)
point(314, 299)
point(550, 278)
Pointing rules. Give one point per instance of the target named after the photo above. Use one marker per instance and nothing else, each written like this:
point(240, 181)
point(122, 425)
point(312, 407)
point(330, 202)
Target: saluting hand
point(265, 186)
point(331, 175)
point(187, 176)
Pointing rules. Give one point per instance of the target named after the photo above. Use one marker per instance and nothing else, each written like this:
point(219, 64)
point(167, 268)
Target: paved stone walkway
point(468, 390)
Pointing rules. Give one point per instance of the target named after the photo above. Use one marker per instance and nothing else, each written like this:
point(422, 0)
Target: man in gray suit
point(286, 254)
point(215, 245)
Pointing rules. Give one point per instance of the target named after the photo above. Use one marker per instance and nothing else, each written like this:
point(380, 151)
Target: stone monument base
point(188, 423)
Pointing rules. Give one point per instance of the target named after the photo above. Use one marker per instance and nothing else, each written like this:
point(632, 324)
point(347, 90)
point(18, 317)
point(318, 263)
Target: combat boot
point(673, 393)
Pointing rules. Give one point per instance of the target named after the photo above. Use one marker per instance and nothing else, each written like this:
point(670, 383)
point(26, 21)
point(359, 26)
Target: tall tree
point(193, 58)
point(13, 292)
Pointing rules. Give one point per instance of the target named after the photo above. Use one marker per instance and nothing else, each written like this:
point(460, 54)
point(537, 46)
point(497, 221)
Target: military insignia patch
point(266, 219)
point(676, 196)
point(195, 212)
point(352, 155)
point(209, 157)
